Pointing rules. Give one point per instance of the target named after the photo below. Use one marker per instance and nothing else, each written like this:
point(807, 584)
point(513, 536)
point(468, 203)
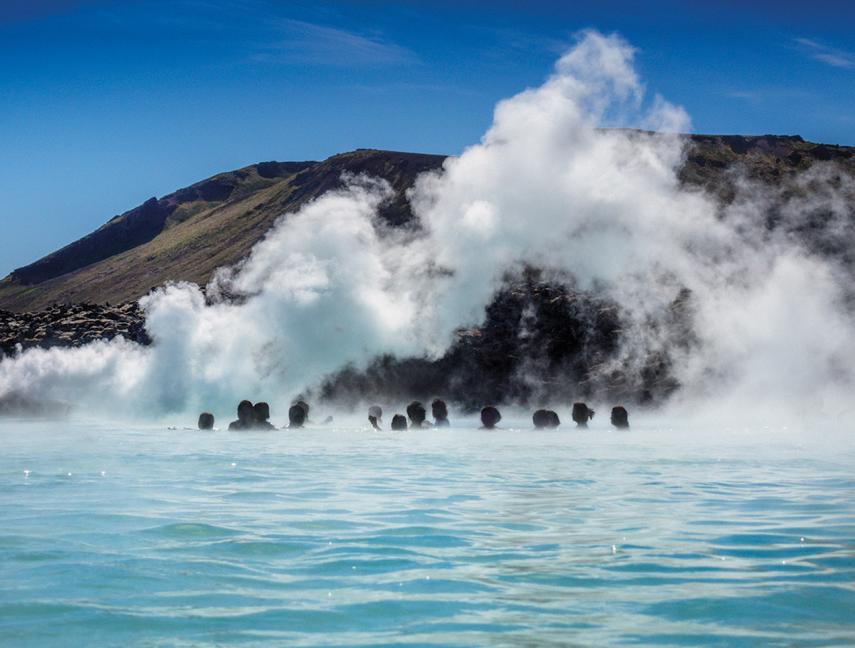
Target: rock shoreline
point(71, 325)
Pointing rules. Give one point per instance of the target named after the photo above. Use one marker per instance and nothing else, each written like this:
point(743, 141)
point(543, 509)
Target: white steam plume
point(320, 289)
point(546, 187)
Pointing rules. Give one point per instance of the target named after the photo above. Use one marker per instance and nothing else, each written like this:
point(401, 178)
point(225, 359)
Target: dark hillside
point(188, 234)
point(143, 223)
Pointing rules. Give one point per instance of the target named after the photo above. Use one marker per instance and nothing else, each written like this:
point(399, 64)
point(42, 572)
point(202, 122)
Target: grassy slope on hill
point(190, 233)
point(194, 233)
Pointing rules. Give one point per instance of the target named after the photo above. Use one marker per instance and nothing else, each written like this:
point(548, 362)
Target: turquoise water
point(456, 537)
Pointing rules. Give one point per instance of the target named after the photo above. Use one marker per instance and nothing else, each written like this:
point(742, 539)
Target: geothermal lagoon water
point(147, 536)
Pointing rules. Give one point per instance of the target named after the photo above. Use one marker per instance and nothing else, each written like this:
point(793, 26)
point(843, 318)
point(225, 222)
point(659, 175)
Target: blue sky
point(105, 104)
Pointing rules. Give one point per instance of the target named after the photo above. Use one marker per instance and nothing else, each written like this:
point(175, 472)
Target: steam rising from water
point(545, 187)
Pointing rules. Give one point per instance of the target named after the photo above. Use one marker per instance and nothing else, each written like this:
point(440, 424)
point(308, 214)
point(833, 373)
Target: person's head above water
point(490, 417)
point(246, 417)
point(375, 413)
point(399, 422)
point(439, 410)
point(582, 414)
point(620, 417)
point(246, 412)
point(296, 416)
point(416, 412)
point(262, 411)
point(540, 418)
point(206, 421)
point(554, 421)
point(303, 404)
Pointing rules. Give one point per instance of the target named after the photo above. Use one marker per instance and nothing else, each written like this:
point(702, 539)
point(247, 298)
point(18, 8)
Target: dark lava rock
point(71, 325)
point(541, 341)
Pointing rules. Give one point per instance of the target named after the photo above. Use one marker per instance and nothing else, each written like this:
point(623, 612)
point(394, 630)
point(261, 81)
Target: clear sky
point(105, 104)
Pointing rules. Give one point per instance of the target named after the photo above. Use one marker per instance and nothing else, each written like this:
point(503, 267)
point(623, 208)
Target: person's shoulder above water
point(246, 416)
point(416, 412)
point(261, 411)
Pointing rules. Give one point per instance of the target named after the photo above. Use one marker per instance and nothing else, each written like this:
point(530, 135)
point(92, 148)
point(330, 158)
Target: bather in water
point(544, 418)
point(490, 416)
point(246, 417)
point(620, 417)
point(304, 405)
point(416, 412)
point(206, 421)
point(582, 414)
point(440, 413)
point(297, 416)
point(262, 414)
point(399, 422)
point(306, 420)
point(375, 416)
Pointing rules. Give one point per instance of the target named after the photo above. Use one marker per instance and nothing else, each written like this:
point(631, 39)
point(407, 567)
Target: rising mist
point(554, 185)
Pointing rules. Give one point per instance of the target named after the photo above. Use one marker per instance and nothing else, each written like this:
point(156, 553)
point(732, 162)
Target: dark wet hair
point(399, 422)
point(439, 409)
point(540, 418)
point(376, 411)
point(416, 412)
point(620, 417)
point(303, 404)
point(262, 411)
point(296, 416)
point(245, 410)
point(206, 421)
point(554, 421)
point(581, 414)
point(490, 416)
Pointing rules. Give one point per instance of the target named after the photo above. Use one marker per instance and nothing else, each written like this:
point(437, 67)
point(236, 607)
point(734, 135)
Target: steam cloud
point(546, 186)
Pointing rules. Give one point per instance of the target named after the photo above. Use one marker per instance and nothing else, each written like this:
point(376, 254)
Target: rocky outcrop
point(541, 340)
point(70, 326)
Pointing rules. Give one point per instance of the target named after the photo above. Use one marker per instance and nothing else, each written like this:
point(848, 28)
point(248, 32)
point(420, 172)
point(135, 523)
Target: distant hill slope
point(188, 234)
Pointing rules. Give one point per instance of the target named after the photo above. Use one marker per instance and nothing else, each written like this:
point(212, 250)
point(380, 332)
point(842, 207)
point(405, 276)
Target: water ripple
point(455, 537)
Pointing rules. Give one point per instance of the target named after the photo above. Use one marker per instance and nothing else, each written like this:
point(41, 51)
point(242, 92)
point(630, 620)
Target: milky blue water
point(462, 537)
